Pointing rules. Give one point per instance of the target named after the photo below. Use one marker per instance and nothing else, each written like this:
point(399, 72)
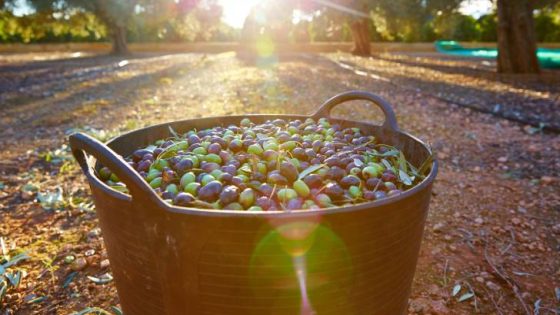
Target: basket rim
point(165, 206)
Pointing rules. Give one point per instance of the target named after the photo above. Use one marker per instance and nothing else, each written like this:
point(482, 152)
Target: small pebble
point(79, 264)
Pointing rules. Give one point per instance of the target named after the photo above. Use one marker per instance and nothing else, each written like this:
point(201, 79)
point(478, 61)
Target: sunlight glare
point(235, 11)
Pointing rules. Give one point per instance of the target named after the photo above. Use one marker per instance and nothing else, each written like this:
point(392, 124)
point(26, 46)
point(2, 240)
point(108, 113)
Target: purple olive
point(313, 180)
point(275, 178)
point(373, 183)
point(334, 191)
point(264, 202)
point(183, 199)
point(184, 165)
point(335, 173)
point(229, 194)
point(389, 176)
point(349, 180)
point(210, 192)
point(289, 171)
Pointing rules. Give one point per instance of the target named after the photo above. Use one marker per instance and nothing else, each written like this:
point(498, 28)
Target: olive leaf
point(402, 162)
point(105, 278)
point(393, 152)
point(122, 189)
point(16, 259)
point(116, 310)
point(310, 169)
point(14, 278)
point(387, 165)
point(69, 279)
point(466, 296)
point(403, 176)
point(92, 310)
point(151, 148)
point(171, 150)
point(456, 290)
point(358, 162)
point(3, 289)
point(426, 165)
point(173, 133)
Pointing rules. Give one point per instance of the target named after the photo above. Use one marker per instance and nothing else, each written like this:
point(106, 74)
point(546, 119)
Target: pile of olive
point(276, 165)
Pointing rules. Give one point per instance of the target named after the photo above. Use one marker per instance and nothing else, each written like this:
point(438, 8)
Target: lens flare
point(299, 264)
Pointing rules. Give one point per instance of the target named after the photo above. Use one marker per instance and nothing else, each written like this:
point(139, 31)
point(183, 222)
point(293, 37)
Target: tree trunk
point(360, 35)
point(118, 35)
point(517, 47)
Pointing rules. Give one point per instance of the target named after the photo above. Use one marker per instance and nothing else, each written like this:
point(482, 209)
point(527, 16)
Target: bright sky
point(235, 11)
point(476, 8)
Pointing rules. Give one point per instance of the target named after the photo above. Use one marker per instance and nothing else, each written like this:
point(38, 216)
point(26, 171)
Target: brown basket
point(357, 259)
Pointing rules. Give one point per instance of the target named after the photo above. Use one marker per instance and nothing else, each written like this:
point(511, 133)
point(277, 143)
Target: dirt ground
point(492, 240)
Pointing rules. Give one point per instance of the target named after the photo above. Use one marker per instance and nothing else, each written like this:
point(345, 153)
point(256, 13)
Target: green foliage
point(456, 26)
point(547, 24)
point(199, 20)
point(50, 27)
point(488, 28)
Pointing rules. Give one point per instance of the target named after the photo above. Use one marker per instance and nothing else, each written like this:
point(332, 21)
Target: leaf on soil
point(116, 310)
point(16, 259)
point(537, 306)
point(69, 279)
point(466, 296)
point(51, 200)
point(29, 188)
point(14, 278)
point(4, 249)
point(3, 289)
point(104, 278)
point(37, 300)
point(92, 310)
point(456, 290)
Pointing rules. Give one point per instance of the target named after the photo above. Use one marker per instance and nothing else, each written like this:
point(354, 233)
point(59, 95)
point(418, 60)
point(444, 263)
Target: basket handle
point(81, 144)
point(390, 118)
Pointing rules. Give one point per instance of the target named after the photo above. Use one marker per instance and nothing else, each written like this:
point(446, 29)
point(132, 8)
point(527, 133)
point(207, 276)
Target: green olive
point(370, 172)
point(247, 198)
point(213, 158)
point(355, 192)
point(200, 150)
point(172, 188)
point(255, 149)
point(105, 173)
point(206, 179)
point(156, 182)
point(192, 188)
point(301, 188)
point(187, 178)
point(286, 194)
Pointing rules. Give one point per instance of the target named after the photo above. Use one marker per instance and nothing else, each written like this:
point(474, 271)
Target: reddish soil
point(494, 222)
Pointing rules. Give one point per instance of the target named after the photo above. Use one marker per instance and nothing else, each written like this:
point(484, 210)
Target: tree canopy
point(200, 20)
